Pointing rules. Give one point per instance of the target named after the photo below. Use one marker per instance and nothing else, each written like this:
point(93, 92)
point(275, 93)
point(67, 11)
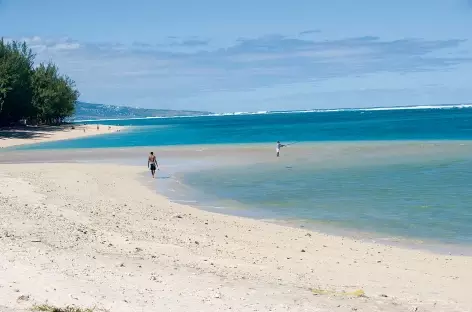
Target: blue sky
point(253, 55)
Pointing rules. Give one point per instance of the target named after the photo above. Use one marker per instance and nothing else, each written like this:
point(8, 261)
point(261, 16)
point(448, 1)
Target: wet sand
point(239, 154)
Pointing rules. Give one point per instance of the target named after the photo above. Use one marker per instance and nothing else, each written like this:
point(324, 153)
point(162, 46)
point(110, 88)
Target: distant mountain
point(89, 111)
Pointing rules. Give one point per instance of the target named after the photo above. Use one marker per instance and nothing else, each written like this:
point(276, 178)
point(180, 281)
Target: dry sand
point(95, 236)
point(30, 135)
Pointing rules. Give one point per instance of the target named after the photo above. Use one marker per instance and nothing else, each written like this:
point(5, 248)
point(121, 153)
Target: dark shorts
point(153, 167)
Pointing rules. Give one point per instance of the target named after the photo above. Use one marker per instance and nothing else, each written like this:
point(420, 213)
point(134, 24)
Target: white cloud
point(142, 71)
point(65, 46)
point(32, 40)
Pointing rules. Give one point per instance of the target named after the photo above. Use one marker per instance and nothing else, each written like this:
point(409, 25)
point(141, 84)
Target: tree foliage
point(38, 94)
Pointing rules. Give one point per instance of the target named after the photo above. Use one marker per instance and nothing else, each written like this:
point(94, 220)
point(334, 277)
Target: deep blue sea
point(404, 173)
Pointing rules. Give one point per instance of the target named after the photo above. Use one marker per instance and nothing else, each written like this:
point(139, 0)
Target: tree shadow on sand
point(30, 132)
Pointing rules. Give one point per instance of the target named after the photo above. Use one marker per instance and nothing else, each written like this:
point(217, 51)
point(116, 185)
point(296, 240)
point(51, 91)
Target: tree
point(4, 89)
point(39, 95)
point(54, 96)
point(16, 67)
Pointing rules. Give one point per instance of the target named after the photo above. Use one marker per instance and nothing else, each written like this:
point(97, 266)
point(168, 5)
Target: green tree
point(54, 96)
point(16, 67)
point(39, 95)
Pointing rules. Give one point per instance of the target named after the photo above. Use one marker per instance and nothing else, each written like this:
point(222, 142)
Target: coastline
point(234, 208)
point(16, 136)
point(98, 222)
point(177, 161)
point(386, 239)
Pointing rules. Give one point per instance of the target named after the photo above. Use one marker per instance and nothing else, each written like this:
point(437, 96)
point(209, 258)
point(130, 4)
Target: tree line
point(36, 94)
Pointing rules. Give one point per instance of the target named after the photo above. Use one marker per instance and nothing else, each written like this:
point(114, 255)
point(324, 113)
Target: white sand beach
point(98, 236)
point(30, 135)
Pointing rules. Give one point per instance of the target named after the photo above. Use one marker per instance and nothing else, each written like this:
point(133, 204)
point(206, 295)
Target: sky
point(253, 55)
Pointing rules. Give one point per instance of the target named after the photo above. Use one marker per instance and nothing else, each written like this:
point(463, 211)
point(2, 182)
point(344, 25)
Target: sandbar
point(98, 235)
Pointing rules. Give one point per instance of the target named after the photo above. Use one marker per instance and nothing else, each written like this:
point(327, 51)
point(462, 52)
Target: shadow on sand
point(31, 132)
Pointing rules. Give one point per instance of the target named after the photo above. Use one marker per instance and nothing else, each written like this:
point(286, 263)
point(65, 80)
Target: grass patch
point(357, 293)
point(49, 308)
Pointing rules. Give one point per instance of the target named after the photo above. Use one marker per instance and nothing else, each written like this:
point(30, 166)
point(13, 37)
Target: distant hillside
point(89, 111)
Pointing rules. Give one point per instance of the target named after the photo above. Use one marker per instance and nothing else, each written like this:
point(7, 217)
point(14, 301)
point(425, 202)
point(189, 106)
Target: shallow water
point(417, 190)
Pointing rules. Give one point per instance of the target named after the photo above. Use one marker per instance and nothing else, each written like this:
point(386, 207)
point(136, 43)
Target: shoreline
point(323, 228)
point(404, 242)
point(101, 223)
point(124, 156)
point(16, 136)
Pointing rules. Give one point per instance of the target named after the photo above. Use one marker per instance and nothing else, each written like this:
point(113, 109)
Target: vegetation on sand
point(49, 308)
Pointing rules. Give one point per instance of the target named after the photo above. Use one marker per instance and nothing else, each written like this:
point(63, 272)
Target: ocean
point(394, 174)
point(448, 123)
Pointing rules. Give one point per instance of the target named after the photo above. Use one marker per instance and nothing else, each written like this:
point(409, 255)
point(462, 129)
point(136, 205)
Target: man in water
point(279, 146)
point(152, 163)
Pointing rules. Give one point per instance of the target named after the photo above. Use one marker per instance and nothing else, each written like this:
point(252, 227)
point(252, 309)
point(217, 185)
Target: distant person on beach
point(279, 146)
point(152, 163)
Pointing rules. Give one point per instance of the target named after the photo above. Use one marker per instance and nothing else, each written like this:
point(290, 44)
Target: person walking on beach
point(279, 146)
point(152, 163)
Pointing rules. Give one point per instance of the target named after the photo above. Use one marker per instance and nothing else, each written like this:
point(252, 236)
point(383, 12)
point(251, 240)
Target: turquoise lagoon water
point(350, 125)
point(426, 195)
point(399, 172)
